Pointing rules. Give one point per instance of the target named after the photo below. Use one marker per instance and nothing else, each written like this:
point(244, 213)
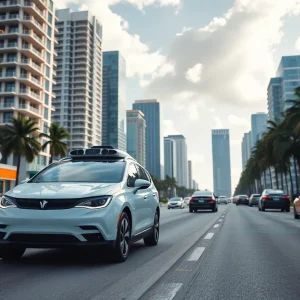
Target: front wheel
point(122, 245)
point(11, 253)
point(152, 239)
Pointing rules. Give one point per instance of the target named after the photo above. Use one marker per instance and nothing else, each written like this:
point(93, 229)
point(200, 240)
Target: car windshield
point(243, 196)
point(82, 171)
point(274, 192)
point(257, 195)
point(175, 199)
point(204, 194)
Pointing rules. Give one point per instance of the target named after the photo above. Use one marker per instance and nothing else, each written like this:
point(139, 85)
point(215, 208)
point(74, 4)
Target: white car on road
point(176, 202)
point(222, 199)
point(98, 196)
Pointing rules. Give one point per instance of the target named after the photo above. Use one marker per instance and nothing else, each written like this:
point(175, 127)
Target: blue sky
point(213, 74)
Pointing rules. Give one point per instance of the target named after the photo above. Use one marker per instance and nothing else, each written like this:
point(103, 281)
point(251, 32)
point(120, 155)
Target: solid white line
point(216, 226)
point(209, 236)
point(167, 291)
point(196, 254)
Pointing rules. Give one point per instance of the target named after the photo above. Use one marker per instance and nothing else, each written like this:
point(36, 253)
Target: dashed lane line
point(216, 226)
point(196, 254)
point(209, 236)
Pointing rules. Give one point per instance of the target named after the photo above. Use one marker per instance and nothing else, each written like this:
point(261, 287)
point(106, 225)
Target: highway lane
point(250, 255)
point(55, 275)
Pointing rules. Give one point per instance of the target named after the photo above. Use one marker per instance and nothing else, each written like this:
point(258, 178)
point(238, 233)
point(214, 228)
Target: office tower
point(258, 126)
point(170, 157)
point(154, 144)
point(114, 100)
point(78, 76)
point(27, 32)
point(136, 136)
point(246, 148)
point(274, 98)
point(221, 162)
point(181, 160)
point(190, 175)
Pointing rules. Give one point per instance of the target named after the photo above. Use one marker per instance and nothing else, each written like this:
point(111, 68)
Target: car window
point(132, 175)
point(142, 173)
point(203, 193)
point(90, 171)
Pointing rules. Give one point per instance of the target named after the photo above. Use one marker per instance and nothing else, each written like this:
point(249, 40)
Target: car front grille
point(51, 203)
point(42, 238)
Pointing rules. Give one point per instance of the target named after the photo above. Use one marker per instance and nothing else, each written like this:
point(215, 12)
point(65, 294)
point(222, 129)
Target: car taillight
point(286, 198)
point(238, 199)
point(192, 200)
point(266, 197)
point(211, 200)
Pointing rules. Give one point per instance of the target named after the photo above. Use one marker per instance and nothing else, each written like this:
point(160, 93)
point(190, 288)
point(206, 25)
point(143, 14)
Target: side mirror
point(25, 181)
point(141, 184)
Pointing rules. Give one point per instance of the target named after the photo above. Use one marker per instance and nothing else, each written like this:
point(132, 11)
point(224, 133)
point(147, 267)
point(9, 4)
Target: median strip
point(196, 254)
point(167, 291)
point(209, 236)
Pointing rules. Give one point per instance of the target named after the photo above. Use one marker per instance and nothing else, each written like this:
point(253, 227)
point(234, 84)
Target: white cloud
point(140, 4)
point(239, 121)
point(194, 74)
point(196, 158)
point(140, 60)
point(297, 44)
point(168, 128)
point(218, 123)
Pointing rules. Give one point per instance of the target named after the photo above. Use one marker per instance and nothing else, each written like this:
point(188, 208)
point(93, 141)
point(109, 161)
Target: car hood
point(63, 190)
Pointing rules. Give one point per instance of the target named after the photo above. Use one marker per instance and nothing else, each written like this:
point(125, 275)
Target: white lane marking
point(216, 226)
point(220, 220)
point(196, 254)
point(167, 291)
point(209, 236)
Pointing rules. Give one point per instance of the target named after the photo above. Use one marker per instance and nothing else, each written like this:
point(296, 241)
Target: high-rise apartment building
point(221, 162)
point(181, 160)
point(114, 100)
point(190, 175)
point(136, 136)
point(27, 30)
point(274, 98)
point(154, 144)
point(258, 126)
point(78, 90)
point(170, 157)
point(246, 148)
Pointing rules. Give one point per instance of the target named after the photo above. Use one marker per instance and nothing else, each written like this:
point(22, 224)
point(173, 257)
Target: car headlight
point(93, 203)
point(6, 202)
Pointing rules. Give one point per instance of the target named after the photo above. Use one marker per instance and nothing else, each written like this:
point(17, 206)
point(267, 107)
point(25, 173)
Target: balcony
point(31, 67)
point(31, 111)
point(32, 9)
point(9, 61)
point(8, 91)
point(8, 76)
point(7, 106)
point(31, 52)
point(31, 81)
point(33, 24)
point(12, 32)
point(31, 96)
point(9, 5)
point(32, 38)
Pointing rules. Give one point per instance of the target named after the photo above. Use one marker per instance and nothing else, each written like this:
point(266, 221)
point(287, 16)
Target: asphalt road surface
point(236, 253)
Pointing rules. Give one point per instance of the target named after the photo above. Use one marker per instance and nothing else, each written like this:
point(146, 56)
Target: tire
point(168, 207)
point(288, 209)
point(259, 208)
point(11, 253)
point(263, 209)
point(296, 216)
point(237, 204)
point(122, 244)
point(214, 209)
point(191, 210)
point(152, 240)
point(282, 210)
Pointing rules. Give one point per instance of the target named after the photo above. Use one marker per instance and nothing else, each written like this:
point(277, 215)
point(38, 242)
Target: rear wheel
point(259, 208)
point(288, 209)
point(11, 253)
point(282, 209)
point(263, 208)
point(296, 216)
point(152, 240)
point(214, 209)
point(122, 245)
point(191, 210)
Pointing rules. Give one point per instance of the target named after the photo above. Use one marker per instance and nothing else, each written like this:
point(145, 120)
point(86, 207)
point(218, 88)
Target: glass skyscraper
point(114, 100)
point(154, 144)
point(258, 127)
point(170, 157)
point(221, 162)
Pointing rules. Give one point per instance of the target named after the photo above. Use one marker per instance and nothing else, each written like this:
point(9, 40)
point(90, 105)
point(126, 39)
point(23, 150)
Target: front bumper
point(57, 228)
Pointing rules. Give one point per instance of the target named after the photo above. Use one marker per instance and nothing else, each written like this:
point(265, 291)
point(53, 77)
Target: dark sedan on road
point(254, 199)
point(242, 199)
point(203, 200)
point(274, 199)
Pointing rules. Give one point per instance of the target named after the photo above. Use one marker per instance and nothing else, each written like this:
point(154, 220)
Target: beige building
point(78, 103)
point(27, 30)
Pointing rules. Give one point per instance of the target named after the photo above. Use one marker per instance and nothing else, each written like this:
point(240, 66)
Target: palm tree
point(55, 137)
point(171, 184)
point(3, 150)
point(19, 140)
